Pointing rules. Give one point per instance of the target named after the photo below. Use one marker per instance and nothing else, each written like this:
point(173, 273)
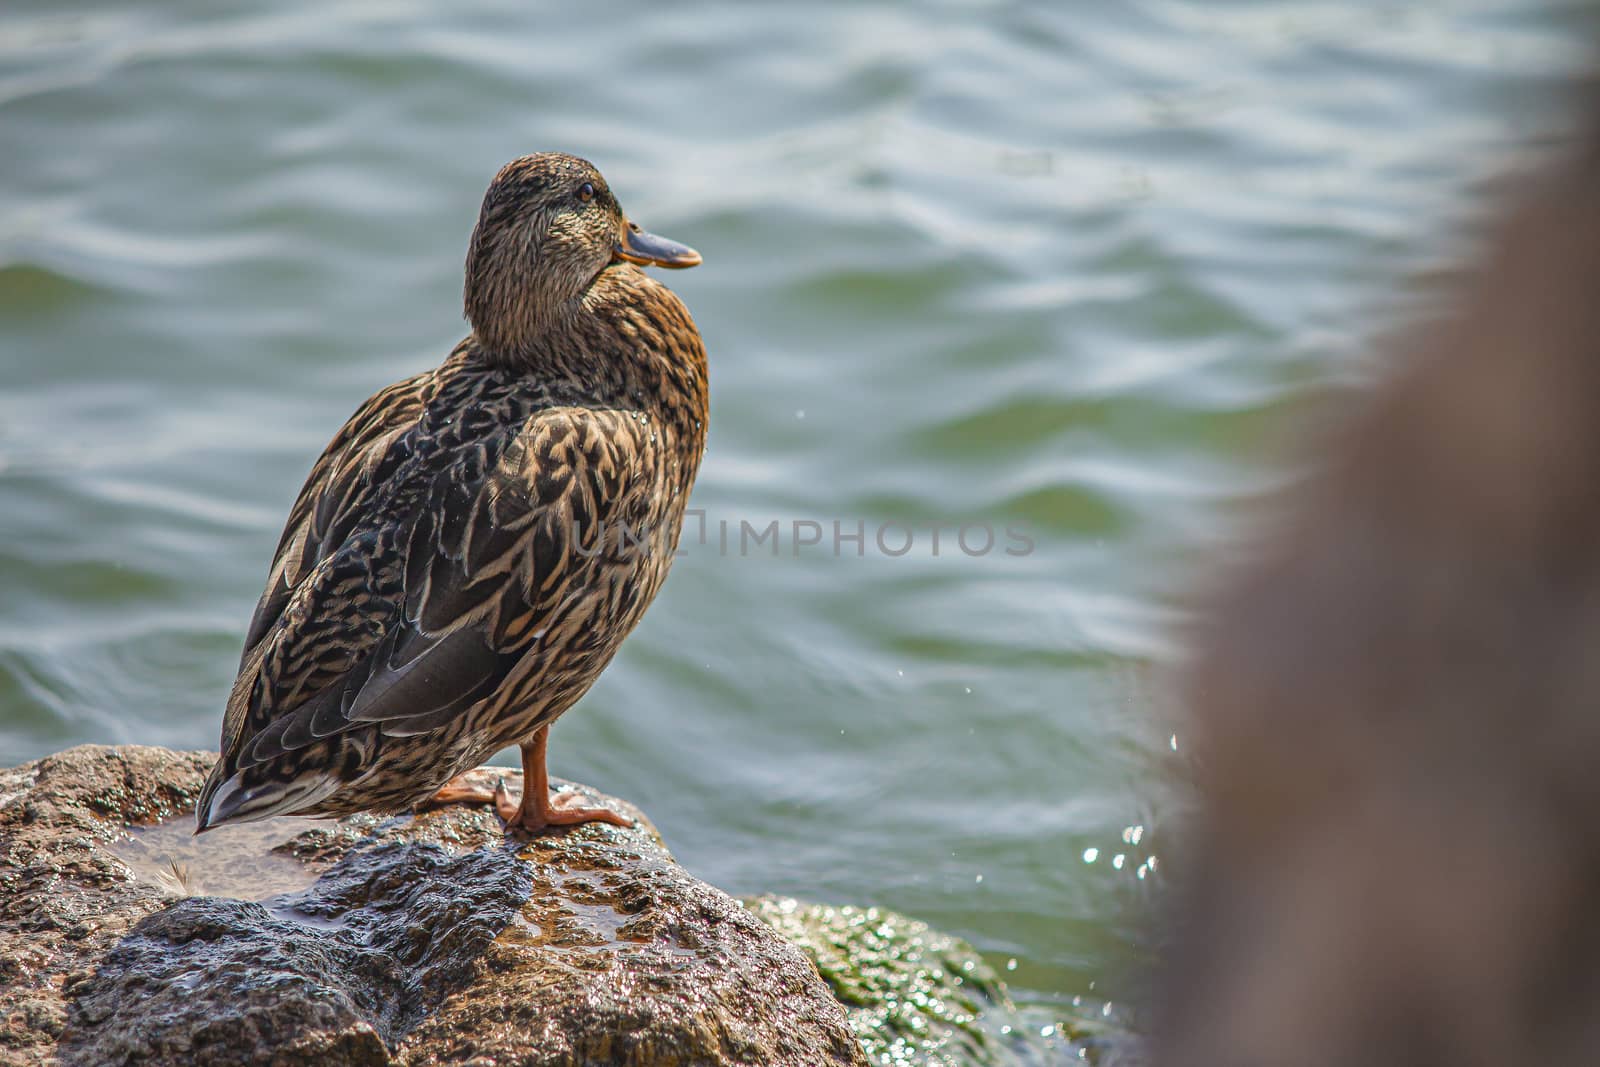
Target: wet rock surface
point(348, 967)
point(65, 900)
point(414, 940)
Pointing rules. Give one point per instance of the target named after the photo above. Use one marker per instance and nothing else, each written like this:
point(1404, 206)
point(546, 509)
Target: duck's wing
point(345, 473)
point(396, 630)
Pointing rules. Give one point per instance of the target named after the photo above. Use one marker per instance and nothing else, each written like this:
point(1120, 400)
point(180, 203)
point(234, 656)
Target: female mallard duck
point(471, 549)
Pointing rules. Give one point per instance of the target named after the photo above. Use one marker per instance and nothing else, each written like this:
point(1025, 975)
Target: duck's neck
point(626, 341)
point(513, 326)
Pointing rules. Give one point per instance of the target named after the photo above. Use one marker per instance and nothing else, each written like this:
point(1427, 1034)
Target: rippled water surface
point(1060, 267)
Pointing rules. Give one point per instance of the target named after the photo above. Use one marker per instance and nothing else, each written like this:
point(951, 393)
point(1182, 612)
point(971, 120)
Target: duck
point(469, 552)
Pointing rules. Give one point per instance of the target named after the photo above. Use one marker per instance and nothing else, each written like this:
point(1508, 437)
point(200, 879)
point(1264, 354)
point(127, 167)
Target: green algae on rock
point(918, 998)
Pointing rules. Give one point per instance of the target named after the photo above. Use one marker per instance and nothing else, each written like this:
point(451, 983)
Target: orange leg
point(537, 810)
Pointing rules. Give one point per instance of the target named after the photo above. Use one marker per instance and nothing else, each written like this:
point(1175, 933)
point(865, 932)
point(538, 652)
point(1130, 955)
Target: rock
point(409, 940)
point(64, 899)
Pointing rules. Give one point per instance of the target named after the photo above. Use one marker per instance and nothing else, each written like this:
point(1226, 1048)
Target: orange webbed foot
point(563, 810)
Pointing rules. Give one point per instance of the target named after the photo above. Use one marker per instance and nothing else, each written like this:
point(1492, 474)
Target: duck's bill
point(648, 250)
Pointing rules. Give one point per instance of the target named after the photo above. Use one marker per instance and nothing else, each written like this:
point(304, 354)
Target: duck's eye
point(586, 192)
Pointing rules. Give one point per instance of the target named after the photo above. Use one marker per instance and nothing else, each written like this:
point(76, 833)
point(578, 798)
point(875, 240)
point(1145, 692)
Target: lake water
point(1063, 268)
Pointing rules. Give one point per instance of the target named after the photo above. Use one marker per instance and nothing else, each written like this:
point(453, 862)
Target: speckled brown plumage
point(442, 588)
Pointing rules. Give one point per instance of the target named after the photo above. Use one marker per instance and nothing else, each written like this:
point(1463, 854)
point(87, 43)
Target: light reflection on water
point(236, 860)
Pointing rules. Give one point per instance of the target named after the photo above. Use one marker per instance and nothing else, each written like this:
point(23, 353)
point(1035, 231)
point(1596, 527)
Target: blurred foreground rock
point(409, 940)
point(1396, 703)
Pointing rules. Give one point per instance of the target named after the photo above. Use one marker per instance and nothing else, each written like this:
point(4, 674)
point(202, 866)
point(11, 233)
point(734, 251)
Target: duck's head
point(548, 227)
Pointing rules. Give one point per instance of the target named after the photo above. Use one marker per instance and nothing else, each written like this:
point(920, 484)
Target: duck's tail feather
point(236, 799)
